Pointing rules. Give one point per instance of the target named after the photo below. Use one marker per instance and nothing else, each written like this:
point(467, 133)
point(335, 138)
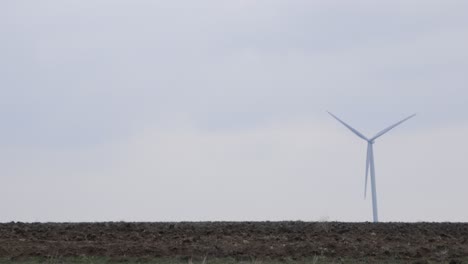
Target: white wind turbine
point(370, 159)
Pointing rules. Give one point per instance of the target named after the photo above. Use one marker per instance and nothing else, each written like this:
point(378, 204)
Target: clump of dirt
point(242, 240)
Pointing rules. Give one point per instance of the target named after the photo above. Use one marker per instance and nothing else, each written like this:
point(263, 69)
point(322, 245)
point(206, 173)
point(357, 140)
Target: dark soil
point(268, 240)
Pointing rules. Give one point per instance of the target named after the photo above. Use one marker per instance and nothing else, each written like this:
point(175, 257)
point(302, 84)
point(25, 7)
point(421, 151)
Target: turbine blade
point(390, 128)
point(349, 127)
point(367, 170)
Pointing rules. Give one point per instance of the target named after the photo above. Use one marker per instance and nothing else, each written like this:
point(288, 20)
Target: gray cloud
point(95, 94)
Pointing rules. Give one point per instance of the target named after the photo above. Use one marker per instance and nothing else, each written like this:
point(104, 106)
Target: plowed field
point(435, 242)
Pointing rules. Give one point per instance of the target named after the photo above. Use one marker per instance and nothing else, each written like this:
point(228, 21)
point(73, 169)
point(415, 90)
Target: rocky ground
point(411, 242)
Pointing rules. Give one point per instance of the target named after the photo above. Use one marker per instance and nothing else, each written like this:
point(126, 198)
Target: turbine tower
point(370, 159)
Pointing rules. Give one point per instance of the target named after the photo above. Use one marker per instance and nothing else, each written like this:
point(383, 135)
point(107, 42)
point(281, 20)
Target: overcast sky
point(216, 110)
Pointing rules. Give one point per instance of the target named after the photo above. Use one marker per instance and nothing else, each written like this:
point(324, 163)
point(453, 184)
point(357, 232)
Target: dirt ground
point(447, 242)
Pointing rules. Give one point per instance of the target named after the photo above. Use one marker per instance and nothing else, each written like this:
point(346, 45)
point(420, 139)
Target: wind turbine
point(370, 159)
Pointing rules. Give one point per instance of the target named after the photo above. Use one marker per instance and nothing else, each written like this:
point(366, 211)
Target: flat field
point(234, 242)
